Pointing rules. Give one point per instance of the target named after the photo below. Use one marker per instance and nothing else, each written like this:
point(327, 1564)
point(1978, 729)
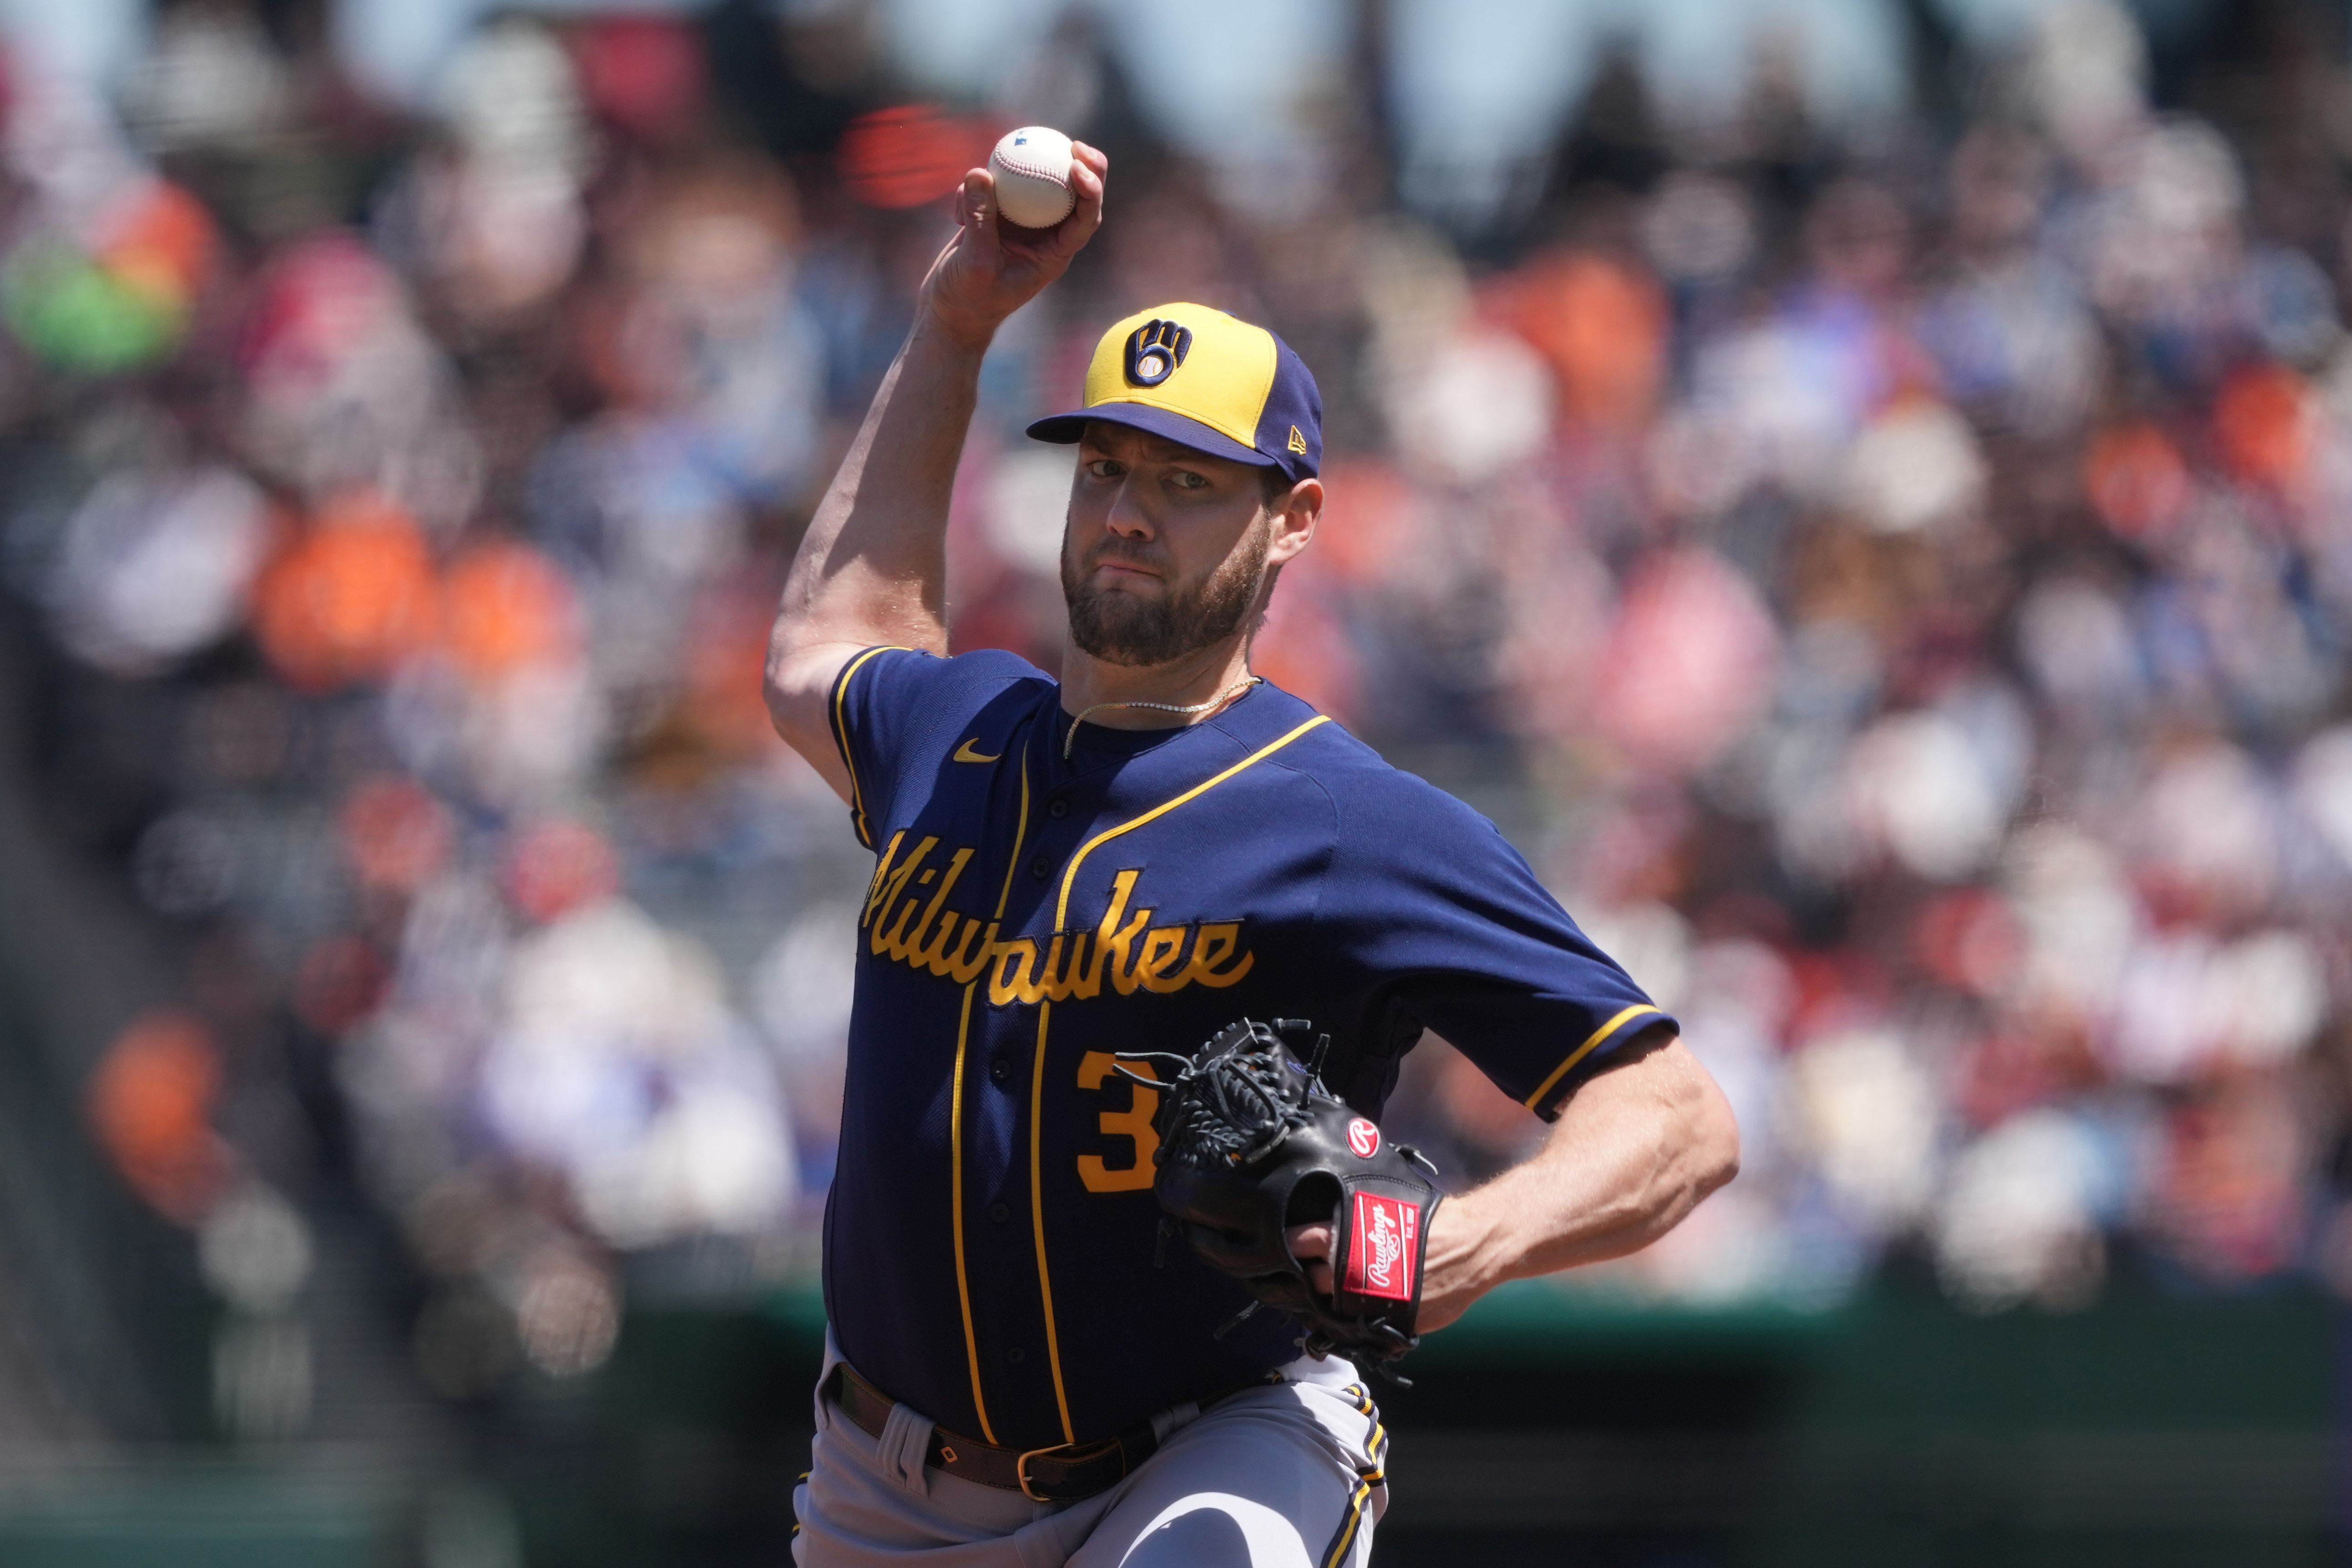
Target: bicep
point(799, 686)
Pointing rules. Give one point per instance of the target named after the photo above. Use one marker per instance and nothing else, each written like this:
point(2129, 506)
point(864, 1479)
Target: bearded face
point(1130, 629)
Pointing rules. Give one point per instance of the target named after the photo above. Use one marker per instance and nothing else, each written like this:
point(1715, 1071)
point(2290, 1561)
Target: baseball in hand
point(1032, 166)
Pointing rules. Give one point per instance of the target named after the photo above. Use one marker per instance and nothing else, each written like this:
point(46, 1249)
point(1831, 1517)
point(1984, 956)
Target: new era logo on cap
point(1243, 395)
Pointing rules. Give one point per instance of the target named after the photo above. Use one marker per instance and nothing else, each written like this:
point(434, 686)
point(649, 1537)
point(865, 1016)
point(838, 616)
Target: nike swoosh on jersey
point(965, 753)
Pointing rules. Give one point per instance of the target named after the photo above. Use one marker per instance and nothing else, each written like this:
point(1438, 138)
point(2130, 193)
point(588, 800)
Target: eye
point(1186, 479)
point(1105, 469)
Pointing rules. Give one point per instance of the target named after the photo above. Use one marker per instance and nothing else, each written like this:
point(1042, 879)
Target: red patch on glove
point(1385, 1244)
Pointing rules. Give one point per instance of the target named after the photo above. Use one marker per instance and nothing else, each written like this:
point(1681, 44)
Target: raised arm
point(873, 566)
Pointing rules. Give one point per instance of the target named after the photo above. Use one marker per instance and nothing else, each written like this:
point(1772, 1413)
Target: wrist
point(955, 332)
point(1466, 1258)
point(1476, 1241)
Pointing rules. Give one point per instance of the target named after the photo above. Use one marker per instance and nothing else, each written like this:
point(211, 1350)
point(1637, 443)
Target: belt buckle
point(1021, 1472)
point(1020, 1466)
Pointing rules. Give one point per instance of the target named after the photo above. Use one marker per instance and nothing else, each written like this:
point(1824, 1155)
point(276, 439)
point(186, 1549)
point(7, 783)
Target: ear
point(1296, 516)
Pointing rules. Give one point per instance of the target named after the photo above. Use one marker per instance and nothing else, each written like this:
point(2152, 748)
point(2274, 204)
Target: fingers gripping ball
point(1252, 1143)
point(1032, 166)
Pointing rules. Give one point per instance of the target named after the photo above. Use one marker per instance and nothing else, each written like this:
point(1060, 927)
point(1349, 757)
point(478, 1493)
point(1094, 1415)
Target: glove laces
point(1241, 1102)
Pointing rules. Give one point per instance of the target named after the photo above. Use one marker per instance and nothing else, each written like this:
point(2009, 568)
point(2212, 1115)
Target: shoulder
point(1379, 815)
point(1271, 725)
point(916, 672)
point(895, 712)
point(1367, 792)
point(891, 695)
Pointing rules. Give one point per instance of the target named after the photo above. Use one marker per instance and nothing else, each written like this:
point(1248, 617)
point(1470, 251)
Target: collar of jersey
point(1111, 747)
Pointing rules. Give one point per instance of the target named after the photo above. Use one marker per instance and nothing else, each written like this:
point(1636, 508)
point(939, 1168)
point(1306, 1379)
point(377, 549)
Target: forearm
point(1634, 1151)
point(873, 566)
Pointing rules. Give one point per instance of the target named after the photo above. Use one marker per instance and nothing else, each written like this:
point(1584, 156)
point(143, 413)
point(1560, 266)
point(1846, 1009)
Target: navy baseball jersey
point(991, 1236)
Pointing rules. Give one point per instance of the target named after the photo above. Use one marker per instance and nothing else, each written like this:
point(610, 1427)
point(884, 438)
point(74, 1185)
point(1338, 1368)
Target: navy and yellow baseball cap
point(1205, 379)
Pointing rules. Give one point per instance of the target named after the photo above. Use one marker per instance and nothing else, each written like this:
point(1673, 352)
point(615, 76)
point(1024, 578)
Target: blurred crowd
point(1894, 586)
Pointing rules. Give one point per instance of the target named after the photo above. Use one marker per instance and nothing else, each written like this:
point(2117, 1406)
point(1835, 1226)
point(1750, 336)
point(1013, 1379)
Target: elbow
point(791, 632)
point(772, 691)
point(777, 716)
point(1714, 1142)
point(796, 702)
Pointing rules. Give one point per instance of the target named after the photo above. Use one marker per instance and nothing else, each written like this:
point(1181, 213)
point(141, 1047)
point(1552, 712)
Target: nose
point(1126, 517)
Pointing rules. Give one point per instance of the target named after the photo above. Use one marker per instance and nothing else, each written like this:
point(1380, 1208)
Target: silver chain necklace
point(1244, 684)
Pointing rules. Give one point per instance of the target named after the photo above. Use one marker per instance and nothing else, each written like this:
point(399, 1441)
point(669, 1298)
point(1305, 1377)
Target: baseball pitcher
point(1115, 1241)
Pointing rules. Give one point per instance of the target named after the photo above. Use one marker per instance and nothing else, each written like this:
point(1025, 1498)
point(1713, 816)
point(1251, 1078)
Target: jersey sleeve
point(895, 710)
point(1446, 927)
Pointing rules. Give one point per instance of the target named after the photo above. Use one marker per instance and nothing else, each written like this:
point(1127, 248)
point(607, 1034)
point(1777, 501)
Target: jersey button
point(1016, 1355)
point(999, 1212)
point(1039, 868)
point(1058, 809)
point(1000, 1070)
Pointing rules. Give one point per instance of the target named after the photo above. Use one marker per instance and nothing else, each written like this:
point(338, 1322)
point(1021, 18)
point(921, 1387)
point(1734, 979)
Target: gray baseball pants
point(1287, 1476)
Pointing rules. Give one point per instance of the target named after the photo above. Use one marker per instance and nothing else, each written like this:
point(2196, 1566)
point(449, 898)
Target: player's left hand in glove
point(1251, 1144)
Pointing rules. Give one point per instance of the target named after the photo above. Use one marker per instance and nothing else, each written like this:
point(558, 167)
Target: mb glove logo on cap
point(1379, 1263)
point(1154, 350)
point(1363, 1137)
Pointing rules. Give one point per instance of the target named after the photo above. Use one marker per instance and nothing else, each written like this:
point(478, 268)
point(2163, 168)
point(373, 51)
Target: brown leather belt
point(1063, 1473)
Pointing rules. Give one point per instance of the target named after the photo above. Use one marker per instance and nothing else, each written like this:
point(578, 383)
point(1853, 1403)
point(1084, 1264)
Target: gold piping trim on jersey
point(1376, 1442)
point(1062, 910)
point(1037, 1218)
point(841, 738)
point(955, 1153)
point(1351, 1520)
point(1578, 1055)
point(1376, 1436)
point(1019, 832)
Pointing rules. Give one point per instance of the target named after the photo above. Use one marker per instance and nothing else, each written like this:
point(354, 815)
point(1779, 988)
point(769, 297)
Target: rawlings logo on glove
point(1251, 1144)
point(1386, 1241)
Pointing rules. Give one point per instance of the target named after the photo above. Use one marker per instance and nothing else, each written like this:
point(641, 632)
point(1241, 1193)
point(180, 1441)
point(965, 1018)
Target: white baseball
point(1032, 166)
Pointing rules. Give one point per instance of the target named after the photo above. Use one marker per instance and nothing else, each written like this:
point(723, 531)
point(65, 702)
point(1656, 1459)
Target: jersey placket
point(1070, 807)
point(1056, 839)
point(972, 1049)
point(1016, 1047)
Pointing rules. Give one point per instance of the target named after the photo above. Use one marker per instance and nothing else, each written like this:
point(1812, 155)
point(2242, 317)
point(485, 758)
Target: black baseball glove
point(1251, 1143)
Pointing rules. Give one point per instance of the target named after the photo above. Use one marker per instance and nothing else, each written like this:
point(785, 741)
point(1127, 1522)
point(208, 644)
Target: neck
point(1199, 676)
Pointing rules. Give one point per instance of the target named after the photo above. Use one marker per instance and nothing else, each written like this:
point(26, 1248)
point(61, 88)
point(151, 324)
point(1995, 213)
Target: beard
point(1130, 630)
